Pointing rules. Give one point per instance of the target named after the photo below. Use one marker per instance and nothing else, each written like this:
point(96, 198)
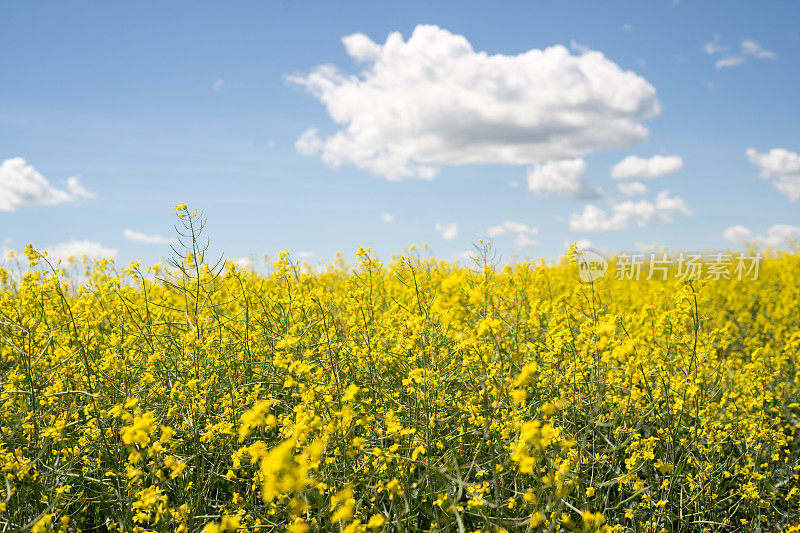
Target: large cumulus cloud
point(432, 100)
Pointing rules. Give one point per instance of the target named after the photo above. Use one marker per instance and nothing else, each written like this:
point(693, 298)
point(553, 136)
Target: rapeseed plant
point(415, 395)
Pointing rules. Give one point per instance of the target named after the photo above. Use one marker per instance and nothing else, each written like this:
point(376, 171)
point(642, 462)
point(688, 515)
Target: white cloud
point(737, 234)
point(304, 255)
point(623, 214)
point(627, 27)
point(309, 142)
point(77, 190)
point(432, 101)
point(671, 204)
point(595, 219)
point(653, 167)
point(79, 249)
point(362, 48)
point(22, 186)
point(753, 49)
point(242, 262)
point(632, 188)
point(730, 61)
point(578, 47)
point(749, 48)
point(218, 84)
point(777, 235)
point(449, 232)
point(582, 244)
point(523, 233)
point(509, 226)
point(714, 47)
point(137, 236)
point(781, 165)
point(561, 177)
point(524, 241)
point(387, 218)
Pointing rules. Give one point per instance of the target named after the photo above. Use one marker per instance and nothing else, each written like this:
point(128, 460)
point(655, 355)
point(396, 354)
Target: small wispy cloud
point(523, 233)
point(218, 84)
point(79, 249)
point(649, 168)
point(448, 232)
point(727, 62)
point(714, 47)
point(387, 218)
point(582, 244)
point(77, 190)
point(748, 48)
point(138, 236)
point(737, 234)
point(241, 262)
point(578, 47)
point(753, 49)
point(777, 235)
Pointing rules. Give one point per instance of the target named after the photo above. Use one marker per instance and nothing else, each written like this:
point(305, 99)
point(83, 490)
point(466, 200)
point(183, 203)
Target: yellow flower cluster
point(416, 395)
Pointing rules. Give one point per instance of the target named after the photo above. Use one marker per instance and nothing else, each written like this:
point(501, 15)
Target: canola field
point(407, 395)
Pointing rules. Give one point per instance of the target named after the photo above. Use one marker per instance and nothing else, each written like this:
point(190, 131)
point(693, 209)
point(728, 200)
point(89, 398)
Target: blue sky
point(151, 104)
